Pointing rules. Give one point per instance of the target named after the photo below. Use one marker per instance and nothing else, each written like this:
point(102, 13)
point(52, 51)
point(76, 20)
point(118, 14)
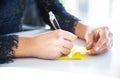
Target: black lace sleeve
point(66, 20)
point(7, 43)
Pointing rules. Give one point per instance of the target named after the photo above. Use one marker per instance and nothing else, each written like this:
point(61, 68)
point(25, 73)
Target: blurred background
point(93, 12)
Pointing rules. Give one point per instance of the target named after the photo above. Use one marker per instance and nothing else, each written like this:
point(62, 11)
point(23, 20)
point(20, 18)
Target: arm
point(48, 45)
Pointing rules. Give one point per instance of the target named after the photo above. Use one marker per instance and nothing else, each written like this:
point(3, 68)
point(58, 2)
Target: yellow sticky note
point(76, 53)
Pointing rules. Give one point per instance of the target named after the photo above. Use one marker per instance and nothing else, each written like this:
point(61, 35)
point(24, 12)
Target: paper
point(76, 54)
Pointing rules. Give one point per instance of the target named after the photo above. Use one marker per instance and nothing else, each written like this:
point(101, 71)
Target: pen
point(54, 21)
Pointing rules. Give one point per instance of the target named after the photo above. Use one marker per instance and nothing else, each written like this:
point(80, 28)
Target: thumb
point(89, 41)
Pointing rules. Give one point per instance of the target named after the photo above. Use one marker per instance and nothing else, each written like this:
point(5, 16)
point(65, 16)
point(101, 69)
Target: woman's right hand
point(48, 45)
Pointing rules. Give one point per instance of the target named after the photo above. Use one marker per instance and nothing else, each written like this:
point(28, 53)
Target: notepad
point(76, 53)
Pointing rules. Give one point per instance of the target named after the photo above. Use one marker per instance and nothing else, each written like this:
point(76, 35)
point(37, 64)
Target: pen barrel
point(56, 25)
point(54, 21)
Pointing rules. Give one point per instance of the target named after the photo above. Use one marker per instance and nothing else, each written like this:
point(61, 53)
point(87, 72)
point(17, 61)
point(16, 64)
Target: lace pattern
point(7, 43)
point(66, 20)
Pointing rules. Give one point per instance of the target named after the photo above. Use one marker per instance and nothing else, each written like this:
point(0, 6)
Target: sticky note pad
point(76, 54)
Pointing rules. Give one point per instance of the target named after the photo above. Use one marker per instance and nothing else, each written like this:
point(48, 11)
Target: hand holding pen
point(56, 26)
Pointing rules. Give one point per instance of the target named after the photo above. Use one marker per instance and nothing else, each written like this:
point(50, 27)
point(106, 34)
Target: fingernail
point(89, 45)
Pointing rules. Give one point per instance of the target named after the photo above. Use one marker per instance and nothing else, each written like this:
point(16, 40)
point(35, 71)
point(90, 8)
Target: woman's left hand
point(99, 40)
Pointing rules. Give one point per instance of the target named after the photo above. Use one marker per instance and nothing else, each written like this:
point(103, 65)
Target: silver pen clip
point(54, 21)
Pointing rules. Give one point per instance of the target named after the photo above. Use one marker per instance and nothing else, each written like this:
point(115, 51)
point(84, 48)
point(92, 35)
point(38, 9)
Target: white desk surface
point(100, 67)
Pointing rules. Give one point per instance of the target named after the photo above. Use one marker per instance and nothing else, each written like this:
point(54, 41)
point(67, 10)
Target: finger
point(110, 35)
point(68, 36)
point(101, 50)
point(103, 38)
point(67, 44)
point(111, 39)
point(89, 41)
point(104, 48)
point(99, 45)
point(111, 43)
point(65, 51)
point(96, 36)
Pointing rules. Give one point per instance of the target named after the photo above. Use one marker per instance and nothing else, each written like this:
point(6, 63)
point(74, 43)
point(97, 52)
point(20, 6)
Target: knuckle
point(105, 28)
point(107, 46)
point(111, 45)
point(60, 31)
point(111, 34)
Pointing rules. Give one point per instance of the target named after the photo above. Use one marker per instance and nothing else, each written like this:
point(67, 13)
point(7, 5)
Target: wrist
point(24, 48)
point(80, 29)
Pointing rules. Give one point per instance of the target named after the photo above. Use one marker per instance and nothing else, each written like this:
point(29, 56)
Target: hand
point(48, 45)
point(99, 40)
